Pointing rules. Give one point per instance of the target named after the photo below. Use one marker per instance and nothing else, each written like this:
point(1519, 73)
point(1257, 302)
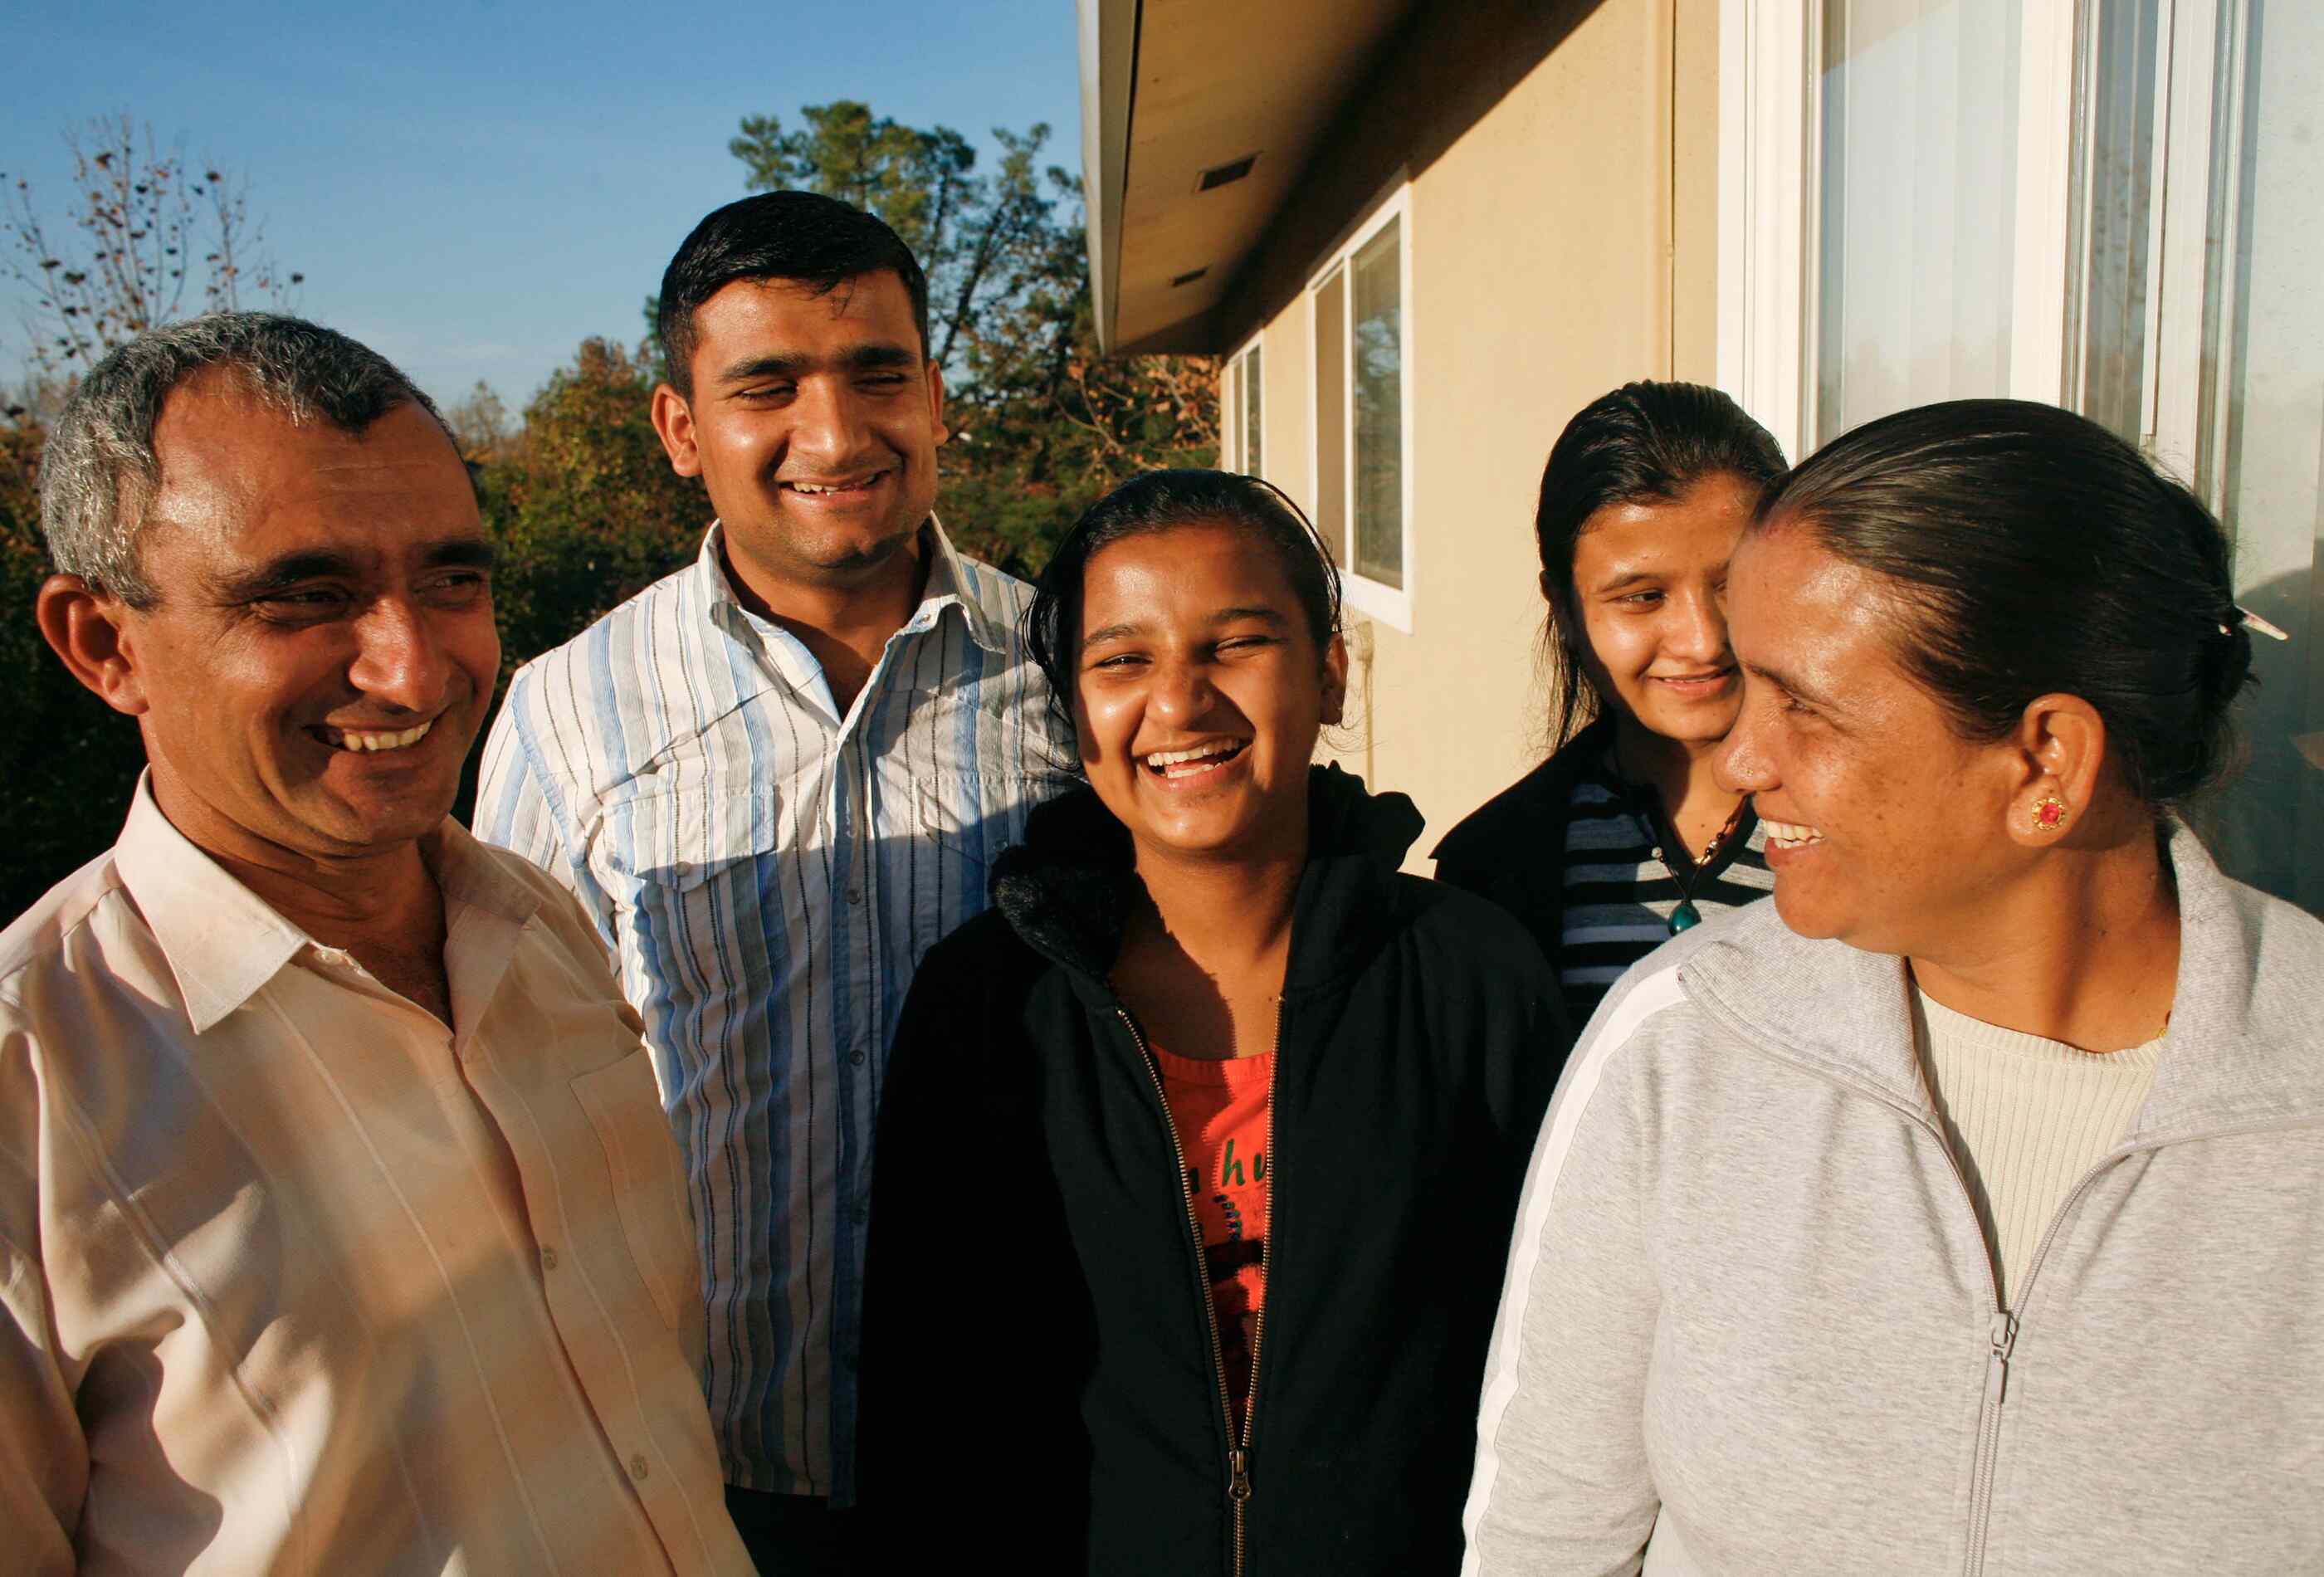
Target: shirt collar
point(2240, 1049)
point(948, 585)
point(223, 942)
point(486, 908)
point(949, 582)
point(471, 877)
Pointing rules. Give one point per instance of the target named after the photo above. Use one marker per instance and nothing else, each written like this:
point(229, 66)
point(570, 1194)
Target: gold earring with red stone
point(2049, 814)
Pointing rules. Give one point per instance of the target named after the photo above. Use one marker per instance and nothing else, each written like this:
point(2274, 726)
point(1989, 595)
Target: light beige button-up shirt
point(293, 1278)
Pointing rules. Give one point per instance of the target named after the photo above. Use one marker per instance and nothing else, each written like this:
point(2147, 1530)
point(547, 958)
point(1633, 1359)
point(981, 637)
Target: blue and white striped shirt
point(767, 875)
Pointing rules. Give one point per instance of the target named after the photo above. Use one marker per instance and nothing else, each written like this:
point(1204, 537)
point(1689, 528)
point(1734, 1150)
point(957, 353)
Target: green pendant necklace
point(1686, 917)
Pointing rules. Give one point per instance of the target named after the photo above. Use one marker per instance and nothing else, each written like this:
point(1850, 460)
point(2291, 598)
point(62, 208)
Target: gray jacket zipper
point(2005, 1338)
point(2001, 1330)
point(2002, 1326)
point(1988, 1439)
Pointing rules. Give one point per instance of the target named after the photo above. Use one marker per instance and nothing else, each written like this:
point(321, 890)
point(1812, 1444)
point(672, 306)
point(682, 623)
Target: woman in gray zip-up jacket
point(1963, 1210)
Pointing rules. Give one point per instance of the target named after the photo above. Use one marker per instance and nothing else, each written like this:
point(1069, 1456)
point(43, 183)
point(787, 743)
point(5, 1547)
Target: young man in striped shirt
point(776, 777)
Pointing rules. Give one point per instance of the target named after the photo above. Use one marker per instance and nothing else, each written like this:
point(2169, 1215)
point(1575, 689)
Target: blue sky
point(473, 189)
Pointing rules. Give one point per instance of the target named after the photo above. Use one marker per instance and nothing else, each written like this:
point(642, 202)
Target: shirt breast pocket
point(688, 874)
point(624, 1103)
point(970, 820)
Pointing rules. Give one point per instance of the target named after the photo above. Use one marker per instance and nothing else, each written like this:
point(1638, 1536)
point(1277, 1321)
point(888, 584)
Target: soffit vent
point(1226, 174)
point(1188, 278)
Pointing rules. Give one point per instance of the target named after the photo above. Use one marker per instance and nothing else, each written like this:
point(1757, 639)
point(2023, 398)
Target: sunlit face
point(1648, 580)
point(813, 423)
point(323, 651)
point(1885, 828)
point(1200, 693)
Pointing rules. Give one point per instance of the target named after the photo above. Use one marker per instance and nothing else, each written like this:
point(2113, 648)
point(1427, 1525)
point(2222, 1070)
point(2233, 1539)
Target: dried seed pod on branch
point(147, 236)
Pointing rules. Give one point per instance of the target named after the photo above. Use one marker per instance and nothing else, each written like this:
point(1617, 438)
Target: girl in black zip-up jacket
point(1051, 1375)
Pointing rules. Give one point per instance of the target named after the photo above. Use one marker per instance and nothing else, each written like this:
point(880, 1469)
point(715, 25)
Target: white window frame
point(1770, 183)
point(1237, 456)
point(1392, 605)
point(1769, 187)
point(1228, 405)
point(2175, 424)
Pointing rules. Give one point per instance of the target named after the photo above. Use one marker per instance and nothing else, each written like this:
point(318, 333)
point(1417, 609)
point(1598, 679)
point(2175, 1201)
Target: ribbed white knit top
point(2028, 1118)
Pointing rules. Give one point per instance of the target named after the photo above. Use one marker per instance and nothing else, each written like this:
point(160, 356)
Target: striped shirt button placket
point(768, 872)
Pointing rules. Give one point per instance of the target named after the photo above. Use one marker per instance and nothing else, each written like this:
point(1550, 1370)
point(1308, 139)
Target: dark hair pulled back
point(1161, 500)
point(1645, 442)
point(2033, 552)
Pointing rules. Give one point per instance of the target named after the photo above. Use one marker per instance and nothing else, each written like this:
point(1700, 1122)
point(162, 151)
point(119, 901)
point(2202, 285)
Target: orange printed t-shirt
point(1220, 1107)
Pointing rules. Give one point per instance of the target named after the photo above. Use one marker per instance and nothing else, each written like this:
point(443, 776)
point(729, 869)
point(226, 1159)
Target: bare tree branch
point(142, 224)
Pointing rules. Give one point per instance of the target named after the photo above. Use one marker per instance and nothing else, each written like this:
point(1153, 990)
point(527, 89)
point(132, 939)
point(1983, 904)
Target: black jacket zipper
point(1238, 1485)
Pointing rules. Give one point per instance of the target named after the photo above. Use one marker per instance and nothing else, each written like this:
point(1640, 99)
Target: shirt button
point(547, 1257)
point(638, 1467)
point(855, 895)
point(856, 1056)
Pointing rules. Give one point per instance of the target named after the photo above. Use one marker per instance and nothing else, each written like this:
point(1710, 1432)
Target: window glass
point(2114, 227)
point(1918, 205)
point(2263, 448)
point(1331, 408)
point(1378, 350)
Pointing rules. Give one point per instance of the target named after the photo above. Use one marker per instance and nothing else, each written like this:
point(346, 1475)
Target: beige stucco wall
point(1285, 366)
point(1563, 167)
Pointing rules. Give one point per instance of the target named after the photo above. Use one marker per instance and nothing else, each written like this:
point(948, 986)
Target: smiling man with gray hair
point(340, 1229)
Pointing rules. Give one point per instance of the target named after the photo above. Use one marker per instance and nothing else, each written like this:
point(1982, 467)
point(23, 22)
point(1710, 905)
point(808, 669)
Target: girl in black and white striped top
point(1624, 836)
point(1624, 882)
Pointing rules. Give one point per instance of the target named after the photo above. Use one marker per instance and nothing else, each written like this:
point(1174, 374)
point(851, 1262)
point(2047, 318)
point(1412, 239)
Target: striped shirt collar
point(223, 942)
point(947, 587)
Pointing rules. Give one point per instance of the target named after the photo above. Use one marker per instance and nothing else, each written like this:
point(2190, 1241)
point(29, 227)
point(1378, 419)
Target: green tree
point(979, 238)
point(585, 506)
point(146, 238)
point(1041, 424)
point(918, 181)
point(66, 761)
point(581, 501)
point(480, 424)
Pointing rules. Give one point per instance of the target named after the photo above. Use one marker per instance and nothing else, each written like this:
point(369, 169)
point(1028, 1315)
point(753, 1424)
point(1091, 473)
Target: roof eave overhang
point(1199, 118)
point(1109, 63)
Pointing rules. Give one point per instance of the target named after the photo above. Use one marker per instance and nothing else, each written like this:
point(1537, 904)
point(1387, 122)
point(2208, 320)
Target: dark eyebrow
point(461, 553)
point(1272, 617)
point(753, 368)
point(281, 574)
point(1790, 685)
point(862, 358)
point(868, 358)
point(1264, 616)
point(1630, 579)
point(296, 568)
point(1111, 632)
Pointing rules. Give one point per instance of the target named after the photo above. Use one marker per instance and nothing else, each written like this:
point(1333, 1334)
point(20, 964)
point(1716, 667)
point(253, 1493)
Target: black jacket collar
point(1509, 825)
point(1066, 888)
